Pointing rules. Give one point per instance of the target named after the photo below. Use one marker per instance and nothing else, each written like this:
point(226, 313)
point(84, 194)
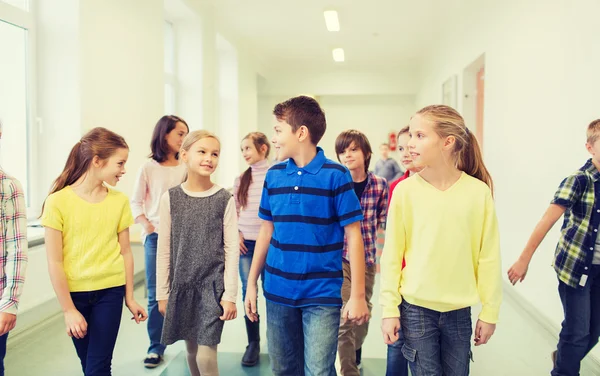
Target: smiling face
point(202, 157)
point(352, 157)
point(175, 138)
point(405, 157)
point(285, 141)
point(112, 169)
point(249, 152)
point(426, 147)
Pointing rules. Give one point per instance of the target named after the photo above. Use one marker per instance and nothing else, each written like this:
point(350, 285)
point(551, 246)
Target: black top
point(359, 188)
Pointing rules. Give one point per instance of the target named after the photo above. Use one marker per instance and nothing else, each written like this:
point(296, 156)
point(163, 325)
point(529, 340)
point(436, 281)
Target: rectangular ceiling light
point(331, 20)
point(338, 55)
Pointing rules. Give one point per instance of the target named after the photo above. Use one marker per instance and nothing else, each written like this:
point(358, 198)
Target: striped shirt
point(13, 243)
point(309, 207)
point(248, 221)
point(578, 193)
point(374, 204)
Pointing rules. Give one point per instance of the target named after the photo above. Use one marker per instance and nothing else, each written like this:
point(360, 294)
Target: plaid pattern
point(13, 243)
point(575, 249)
point(374, 204)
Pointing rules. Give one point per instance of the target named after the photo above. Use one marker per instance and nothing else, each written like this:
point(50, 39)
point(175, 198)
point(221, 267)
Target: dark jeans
point(302, 341)
point(102, 311)
point(581, 326)
point(2, 352)
point(436, 343)
point(397, 365)
point(155, 319)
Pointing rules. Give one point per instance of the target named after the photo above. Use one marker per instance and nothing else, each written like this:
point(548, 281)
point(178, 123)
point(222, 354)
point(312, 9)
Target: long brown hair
point(158, 145)
point(258, 139)
point(98, 142)
point(448, 122)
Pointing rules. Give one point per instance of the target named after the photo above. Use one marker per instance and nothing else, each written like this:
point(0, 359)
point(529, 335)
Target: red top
point(392, 186)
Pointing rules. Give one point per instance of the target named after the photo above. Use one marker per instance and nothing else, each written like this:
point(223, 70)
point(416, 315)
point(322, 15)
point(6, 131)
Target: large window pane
point(13, 103)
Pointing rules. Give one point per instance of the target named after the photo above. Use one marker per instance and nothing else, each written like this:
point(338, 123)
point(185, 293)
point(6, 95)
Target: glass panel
point(14, 145)
point(169, 99)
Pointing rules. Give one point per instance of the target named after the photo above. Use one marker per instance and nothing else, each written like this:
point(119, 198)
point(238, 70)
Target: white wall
point(541, 92)
point(375, 115)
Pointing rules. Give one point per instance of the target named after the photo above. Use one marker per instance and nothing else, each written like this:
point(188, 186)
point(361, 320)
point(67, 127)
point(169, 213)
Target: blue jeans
point(245, 264)
point(102, 311)
point(2, 352)
point(155, 319)
point(302, 341)
point(581, 326)
point(436, 343)
point(397, 365)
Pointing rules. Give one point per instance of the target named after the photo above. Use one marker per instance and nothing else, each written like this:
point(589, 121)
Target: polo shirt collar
point(312, 168)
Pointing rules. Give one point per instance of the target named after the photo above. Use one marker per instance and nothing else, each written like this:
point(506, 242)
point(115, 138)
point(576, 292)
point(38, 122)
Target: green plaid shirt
point(575, 249)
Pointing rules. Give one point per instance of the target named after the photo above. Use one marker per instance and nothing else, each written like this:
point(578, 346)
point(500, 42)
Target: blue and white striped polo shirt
point(309, 207)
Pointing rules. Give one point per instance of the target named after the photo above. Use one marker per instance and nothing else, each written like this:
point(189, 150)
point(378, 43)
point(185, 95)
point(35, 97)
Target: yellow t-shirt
point(451, 245)
point(91, 251)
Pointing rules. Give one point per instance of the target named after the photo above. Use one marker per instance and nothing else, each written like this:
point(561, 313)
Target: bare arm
point(552, 215)
point(54, 252)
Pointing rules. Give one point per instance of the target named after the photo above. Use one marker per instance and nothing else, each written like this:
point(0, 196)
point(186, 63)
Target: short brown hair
point(303, 110)
point(403, 131)
point(593, 131)
point(346, 138)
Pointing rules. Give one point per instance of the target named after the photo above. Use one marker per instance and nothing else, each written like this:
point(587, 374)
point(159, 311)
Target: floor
point(520, 347)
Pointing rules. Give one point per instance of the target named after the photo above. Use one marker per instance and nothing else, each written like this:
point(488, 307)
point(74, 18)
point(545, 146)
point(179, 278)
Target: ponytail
point(470, 160)
point(245, 181)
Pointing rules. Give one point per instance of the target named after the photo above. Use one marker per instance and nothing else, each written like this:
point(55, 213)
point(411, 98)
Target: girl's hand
point(356, 311)
point(162, 307)
point(250, 303)
point(149, 228)
point(229, 310)
point(389, 329)
point(76, 324)
point(483, 332)
point(243, 249)
point(139, 314)
point(518, 271)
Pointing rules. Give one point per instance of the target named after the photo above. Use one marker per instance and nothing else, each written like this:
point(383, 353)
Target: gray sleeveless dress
point(196, 275)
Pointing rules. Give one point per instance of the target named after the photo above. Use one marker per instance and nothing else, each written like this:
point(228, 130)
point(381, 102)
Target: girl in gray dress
point(198, 256)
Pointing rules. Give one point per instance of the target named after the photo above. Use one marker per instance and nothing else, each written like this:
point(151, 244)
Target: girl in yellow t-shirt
point(87, 242)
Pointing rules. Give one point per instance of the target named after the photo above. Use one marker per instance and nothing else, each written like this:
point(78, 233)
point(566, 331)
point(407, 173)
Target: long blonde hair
point(467, 153)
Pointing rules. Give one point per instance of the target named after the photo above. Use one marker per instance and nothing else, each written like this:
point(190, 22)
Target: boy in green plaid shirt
point(576, 260)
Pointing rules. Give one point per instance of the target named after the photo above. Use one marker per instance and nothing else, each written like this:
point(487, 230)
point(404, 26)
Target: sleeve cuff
point(390, 312)
point(489, 315)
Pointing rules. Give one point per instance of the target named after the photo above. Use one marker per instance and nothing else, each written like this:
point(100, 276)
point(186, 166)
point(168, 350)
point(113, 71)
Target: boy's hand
point(356, 311)
point(389, 329)
point(162, 307)
point(7, 322)
point(250, 303)
point(139, 314)
point(483, 332)
point(518, 271)
point(229, 310)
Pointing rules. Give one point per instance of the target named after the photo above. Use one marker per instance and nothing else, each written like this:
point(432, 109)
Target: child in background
point(443, 222)
point(87, 242)
point(198, 256)
point(576, 260)
point(387, 167)
point(246, 191)
point(13, 247)
point(157, 175)
point(354, 151)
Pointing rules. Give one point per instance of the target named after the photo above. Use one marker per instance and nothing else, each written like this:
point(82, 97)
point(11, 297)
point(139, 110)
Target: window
point(170, 77)
point(15, 94)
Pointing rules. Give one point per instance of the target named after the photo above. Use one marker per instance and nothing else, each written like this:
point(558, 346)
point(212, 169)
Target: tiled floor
point(519, 348)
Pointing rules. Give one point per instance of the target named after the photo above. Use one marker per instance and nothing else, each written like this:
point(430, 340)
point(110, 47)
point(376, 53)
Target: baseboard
point(45, 314)
point(544, 322)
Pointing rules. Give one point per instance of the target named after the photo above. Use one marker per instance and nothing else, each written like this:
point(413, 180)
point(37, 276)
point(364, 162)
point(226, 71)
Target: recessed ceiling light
point(338, 55)
point(331, 20)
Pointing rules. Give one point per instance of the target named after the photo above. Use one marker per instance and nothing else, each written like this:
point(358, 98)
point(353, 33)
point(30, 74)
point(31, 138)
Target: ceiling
point(376, 34)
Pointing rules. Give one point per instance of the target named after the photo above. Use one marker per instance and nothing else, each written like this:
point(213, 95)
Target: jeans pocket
point(464, 325)
point(409, 353)
point(412, 321)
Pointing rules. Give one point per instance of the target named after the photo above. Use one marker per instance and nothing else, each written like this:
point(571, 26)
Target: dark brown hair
point(98, 142)
point(346, 138)
point(448, 122)
point(303, 110)
point(403, 131)
point(158, 145)
point(258, 139)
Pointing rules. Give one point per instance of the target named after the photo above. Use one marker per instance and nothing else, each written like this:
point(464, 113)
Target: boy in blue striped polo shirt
point(308, 204)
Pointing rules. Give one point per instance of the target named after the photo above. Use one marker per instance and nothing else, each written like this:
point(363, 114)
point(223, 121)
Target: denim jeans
point(581, 326)
point(397, 365)
point(245, 264)
point(436, 343)
point(2, 352)
point(302, 341)
point(102, 311)
point(155, 319)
